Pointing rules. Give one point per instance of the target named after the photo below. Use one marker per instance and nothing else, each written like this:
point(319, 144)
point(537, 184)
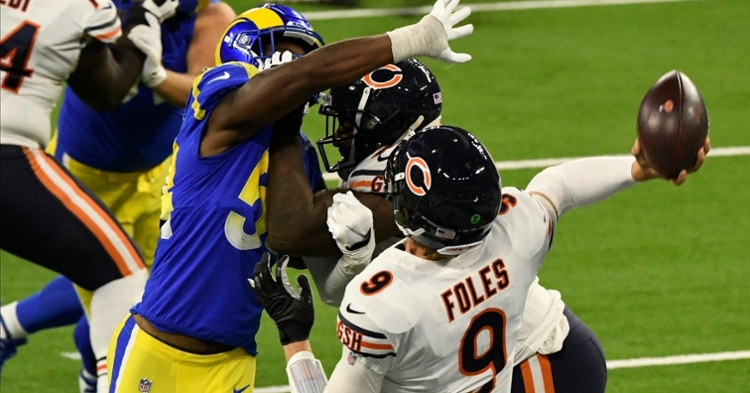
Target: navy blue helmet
point(445, 188)
point(382, 106)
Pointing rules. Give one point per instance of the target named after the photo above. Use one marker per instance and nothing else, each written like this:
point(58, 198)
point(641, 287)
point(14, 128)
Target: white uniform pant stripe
point(124, 361)
point(100, 221)
point(537, 375)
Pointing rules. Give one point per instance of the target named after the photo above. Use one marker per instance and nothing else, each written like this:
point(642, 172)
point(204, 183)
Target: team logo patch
point(144, 386)
point(437, 98)
point(373, 79)
point(412, 181)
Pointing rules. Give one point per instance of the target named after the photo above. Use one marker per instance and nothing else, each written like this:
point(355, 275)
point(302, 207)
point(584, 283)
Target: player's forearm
point(583, 182)
point(124, 71)
point(296, 221)
point(296, 347)
point(304, 372)
point(273, 93)
point(331, 278)
point(176, 88)
point(104, 76)
point(345, 61)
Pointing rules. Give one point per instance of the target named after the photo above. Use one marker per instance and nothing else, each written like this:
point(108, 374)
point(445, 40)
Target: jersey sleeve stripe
point(361, 184)
point(360, 330)
point(110, 23)
point(370, 344)
point(366, 172)
point(106, 36)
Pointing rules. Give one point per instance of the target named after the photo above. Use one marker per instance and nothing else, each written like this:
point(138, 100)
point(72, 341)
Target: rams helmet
point(246, 38)
point(445, 189)
point(382, 106)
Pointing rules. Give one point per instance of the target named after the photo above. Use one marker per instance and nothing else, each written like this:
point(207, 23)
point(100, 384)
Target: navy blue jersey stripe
point(360, 330)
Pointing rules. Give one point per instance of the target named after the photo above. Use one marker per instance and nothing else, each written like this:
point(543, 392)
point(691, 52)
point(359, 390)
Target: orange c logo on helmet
point(426, 176)
point(395, 78)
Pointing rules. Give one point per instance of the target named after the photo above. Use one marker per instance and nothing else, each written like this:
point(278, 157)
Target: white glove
point(147, 38)
point(161, 9)
point(277, 59)
point(430, 36)
point(350, 223)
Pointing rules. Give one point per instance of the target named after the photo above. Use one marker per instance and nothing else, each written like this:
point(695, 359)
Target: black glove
point(294, 314)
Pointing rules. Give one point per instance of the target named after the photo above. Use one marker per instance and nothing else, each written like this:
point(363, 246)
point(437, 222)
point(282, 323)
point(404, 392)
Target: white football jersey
point(544, 326)
point(367, 176)
point(41, 44)
point(448, 326)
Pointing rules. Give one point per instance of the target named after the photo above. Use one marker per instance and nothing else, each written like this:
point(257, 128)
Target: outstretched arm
point(589, 180)
point(273, 93)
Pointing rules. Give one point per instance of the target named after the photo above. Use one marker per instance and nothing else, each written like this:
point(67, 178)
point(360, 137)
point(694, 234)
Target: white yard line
point(614, 364)
point(673, 360)
point(485, 7)
point(611, 365)
point(545, 162)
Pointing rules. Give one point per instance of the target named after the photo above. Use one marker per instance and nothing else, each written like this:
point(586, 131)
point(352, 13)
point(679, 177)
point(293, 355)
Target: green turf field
point(655, 271)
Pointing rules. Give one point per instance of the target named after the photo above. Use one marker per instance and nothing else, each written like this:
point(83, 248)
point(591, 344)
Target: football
point(672, 124)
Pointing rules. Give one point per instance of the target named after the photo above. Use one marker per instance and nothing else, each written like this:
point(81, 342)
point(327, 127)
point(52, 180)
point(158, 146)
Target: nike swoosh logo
point(220, 78)
point(234, 390)
point(380, 157)
point(349, 310)
point(360, 244)
point(108, 6)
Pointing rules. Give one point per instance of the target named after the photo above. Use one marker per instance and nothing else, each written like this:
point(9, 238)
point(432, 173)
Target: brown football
point(672, 124)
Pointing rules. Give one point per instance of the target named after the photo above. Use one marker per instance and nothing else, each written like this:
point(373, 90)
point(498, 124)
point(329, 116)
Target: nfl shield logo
point(144, 386)
point(437, 98)
point(351, 358)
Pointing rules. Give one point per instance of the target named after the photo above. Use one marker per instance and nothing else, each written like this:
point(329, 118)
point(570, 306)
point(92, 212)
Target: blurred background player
point(386, 347)
point(197, 306)
point(48, 217)
point(122, 155)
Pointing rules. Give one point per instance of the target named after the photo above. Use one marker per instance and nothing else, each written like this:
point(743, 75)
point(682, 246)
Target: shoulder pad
point(213, 84)
point(525, 222)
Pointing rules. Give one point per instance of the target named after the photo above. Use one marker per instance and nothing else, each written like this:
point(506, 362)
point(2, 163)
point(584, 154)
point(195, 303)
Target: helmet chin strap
point(416, 126)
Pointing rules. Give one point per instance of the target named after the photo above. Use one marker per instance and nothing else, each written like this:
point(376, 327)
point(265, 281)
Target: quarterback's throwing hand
point(293, 313)
point(350, 223)
point(641, 170)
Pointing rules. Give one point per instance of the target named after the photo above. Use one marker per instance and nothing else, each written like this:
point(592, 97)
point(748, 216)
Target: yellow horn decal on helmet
point(263, 18)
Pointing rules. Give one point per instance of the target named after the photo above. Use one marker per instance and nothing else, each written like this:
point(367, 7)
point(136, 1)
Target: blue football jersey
point(137, 135)
point(215, 229)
